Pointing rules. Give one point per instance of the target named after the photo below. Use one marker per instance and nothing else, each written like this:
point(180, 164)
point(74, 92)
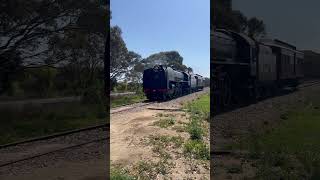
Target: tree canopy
point(121, 59)
point(226, 18)
point(49, 33)
point(168, 58)
point(128, 65)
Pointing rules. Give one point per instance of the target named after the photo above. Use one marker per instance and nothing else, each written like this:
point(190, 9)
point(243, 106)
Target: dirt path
point(129, 131)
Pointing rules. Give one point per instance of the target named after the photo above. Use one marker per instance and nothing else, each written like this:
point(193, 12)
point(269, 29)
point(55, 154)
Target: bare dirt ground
point(131, 129)
point(229, 127)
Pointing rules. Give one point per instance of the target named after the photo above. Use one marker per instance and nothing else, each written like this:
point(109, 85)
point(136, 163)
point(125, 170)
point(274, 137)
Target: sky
point(150, 26)
point(293, 21)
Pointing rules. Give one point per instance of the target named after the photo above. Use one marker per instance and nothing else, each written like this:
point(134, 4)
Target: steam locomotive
point(243, 68)
point(161, 83)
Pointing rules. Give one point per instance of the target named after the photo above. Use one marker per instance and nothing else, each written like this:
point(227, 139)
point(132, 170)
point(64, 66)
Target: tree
point(224, 17)
point(121, 59)
point(189, 70)
point(241, 21)
point(81, 48)
point(135, 68)
point(29, 29)
point(169, 58)
point(256, 28)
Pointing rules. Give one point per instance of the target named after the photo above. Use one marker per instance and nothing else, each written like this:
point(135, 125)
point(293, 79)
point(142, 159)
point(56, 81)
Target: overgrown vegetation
point(292, 150)
point(38, 120)
point(125, 100)
point(120, 174)
point(195, 129)
point(199, 110)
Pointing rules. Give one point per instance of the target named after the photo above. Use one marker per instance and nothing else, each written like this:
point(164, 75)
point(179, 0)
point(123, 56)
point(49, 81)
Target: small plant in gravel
point(196, 149)
point(164, 123)
point(179, 128)
point(120, 174)
point(150, 170)
point(159, 115)
point(164, 141)
point(168, 115)
point(194, 128)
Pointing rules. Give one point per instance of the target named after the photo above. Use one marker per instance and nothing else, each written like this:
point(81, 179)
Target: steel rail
point(55, 135)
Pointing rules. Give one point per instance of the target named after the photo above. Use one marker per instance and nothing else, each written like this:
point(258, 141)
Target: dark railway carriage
point(193, 82)
point(299, 63)
point(286, 63)
point(200, 82)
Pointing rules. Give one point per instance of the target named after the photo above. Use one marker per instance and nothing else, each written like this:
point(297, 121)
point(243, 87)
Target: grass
point(196, 149)
point(195, 129)
point(200, 107)
point(150, 170)
point(292, 150)
point(125, 100)
point(145, 170)
point(179, 128)
point(161, 143)
point(164, 123)
point(164, 141)
point(120, 174)
point(199, 112)
point(32, 121)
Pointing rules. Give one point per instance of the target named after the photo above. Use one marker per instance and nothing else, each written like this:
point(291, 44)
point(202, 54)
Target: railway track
point(304, 84)
point(104, 127)
point(129, 107)
point(308, 84)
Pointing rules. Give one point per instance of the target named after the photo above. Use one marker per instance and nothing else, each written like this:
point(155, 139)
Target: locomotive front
point(155, 82)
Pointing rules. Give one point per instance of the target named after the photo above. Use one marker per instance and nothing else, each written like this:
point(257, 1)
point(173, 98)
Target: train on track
point(244, 68)
point(162, 83)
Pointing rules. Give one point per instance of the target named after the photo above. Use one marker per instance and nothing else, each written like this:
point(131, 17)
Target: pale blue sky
point(151, 26)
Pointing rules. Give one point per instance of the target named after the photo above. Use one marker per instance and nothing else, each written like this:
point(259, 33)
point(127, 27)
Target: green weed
point(164, 123)
point(196, 149)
